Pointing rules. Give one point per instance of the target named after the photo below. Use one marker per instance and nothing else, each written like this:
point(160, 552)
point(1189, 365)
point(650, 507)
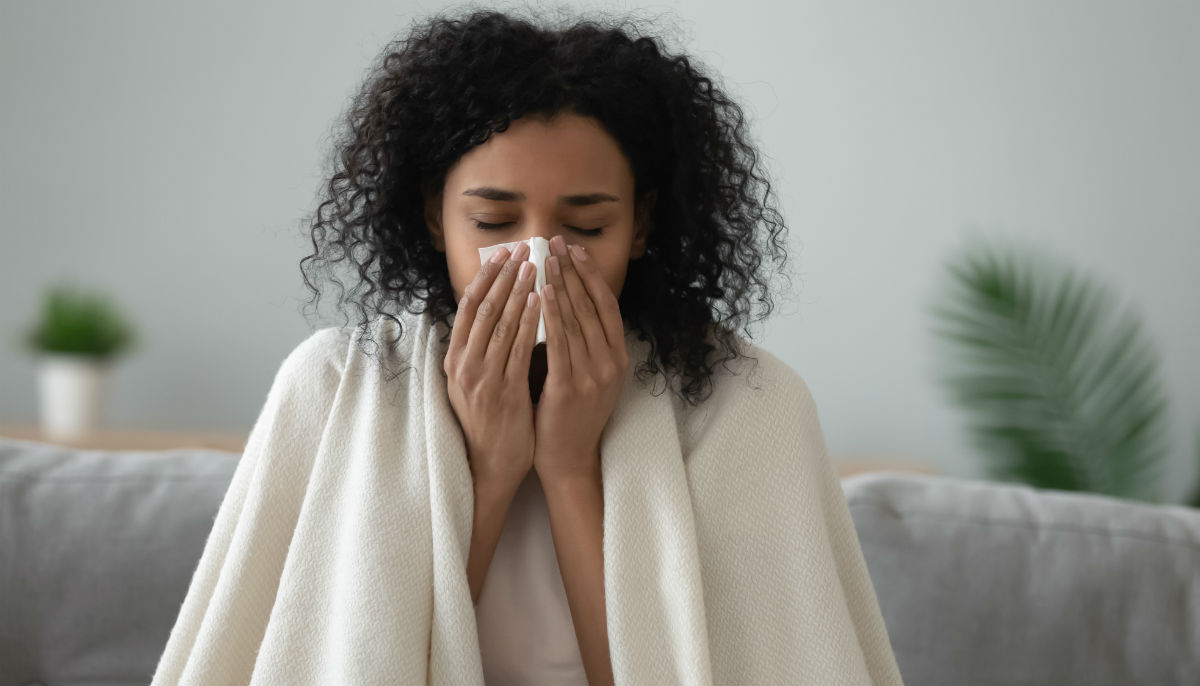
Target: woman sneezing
point(547, 450)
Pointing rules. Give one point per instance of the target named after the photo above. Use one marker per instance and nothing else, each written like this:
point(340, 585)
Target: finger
point(492, 305)
point(583, 307)
point(506, 329)
point(577, 351)
point(462, 325)
point(468, 305)
point(558, 360)
point(489, 304)
point(519, 357)
point(603, 298)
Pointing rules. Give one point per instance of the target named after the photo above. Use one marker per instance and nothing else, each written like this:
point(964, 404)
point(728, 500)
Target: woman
point(616, 533)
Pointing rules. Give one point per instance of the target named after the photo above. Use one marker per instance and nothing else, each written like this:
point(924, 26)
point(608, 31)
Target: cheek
point(614, 276)
point(463, 265)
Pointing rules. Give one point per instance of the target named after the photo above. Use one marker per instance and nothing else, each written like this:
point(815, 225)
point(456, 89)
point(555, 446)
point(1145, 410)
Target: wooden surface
point(848, 467)
point(132, 439)
point(138, 439)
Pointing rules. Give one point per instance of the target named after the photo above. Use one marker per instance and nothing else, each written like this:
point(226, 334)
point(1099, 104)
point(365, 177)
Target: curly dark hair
point(454, 81)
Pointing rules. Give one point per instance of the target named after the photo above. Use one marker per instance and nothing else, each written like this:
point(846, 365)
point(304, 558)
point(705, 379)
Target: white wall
point(167, 155)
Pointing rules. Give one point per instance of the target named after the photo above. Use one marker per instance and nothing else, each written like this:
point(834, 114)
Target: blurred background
point(165, 155)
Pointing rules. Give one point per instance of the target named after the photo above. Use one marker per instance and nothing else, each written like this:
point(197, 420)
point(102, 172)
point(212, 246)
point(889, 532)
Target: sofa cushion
point(97, 549)
point(985, 582)
point(979, 582)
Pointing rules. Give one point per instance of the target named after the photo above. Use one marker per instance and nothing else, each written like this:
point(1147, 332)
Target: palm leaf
point(1194, 501)
point(1062, 390)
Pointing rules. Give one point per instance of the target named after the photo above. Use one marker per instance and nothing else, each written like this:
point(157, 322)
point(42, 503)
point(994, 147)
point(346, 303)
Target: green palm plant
point(1062, 390)
point(1194, 500)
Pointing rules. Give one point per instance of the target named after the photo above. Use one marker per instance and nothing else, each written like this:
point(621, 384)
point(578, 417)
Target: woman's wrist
point(491, 509)
point(497, 486)
point(495, 471)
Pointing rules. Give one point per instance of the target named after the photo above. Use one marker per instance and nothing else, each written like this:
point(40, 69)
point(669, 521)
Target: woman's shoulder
point(384, 343)
point(326, 345)
point(318, 359)
point(759, 376)
point(756, 391)
point(760, 409)
point(333, 345)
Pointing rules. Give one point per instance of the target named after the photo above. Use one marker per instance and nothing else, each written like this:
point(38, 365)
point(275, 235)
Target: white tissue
point(539, 250)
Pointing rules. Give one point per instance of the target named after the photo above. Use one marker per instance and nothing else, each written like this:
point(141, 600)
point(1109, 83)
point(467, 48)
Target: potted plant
point(1063, 388)
point(76, 339)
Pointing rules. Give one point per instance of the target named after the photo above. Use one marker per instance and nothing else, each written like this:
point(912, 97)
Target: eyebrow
point(489, 193)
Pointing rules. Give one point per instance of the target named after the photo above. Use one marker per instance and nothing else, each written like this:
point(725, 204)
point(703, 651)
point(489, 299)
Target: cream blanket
point(339, 552)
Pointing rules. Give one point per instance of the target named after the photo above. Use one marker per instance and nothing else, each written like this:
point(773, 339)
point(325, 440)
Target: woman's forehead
point(569, 157)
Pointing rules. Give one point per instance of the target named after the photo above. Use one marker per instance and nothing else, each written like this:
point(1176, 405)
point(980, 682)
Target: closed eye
point(491, 227)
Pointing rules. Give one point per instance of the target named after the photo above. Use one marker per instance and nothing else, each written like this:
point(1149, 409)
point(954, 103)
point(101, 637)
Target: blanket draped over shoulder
point(339, 552)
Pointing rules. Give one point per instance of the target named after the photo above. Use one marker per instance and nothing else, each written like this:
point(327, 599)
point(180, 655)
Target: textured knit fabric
point(526, 635)
point(339, 552)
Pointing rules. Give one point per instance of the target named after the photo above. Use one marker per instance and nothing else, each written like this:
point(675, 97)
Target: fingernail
point(554, 266)
point(578, 253)
point(521, 252)
point(499, 255)
point(526, 270)
point(559, 245)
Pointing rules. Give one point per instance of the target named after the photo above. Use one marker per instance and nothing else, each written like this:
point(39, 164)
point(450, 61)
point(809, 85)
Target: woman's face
point(566, 176)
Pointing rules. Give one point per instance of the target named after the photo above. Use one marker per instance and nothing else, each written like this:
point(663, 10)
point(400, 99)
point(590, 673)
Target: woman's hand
point(487, 368)
point(586, 361)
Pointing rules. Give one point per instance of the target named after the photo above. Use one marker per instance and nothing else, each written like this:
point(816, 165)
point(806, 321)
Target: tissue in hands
point(539, 250)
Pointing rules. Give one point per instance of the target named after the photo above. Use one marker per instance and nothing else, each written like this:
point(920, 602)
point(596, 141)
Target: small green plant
point(1063, 390)
point(74, 322)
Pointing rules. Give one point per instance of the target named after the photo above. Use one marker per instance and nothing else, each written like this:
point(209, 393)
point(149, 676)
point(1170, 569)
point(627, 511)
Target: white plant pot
point(72, 390)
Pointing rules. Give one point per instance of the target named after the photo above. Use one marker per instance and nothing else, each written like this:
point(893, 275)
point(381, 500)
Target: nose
point(547, 229)
point(540, 229)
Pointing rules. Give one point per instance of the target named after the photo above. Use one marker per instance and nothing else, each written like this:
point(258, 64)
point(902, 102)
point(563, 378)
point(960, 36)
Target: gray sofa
point(979, 582)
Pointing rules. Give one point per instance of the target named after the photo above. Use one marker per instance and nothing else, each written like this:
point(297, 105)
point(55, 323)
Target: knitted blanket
point(339, 552)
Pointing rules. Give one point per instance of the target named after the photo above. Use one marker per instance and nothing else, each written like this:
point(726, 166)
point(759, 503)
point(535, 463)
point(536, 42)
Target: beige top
point(525, 631)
